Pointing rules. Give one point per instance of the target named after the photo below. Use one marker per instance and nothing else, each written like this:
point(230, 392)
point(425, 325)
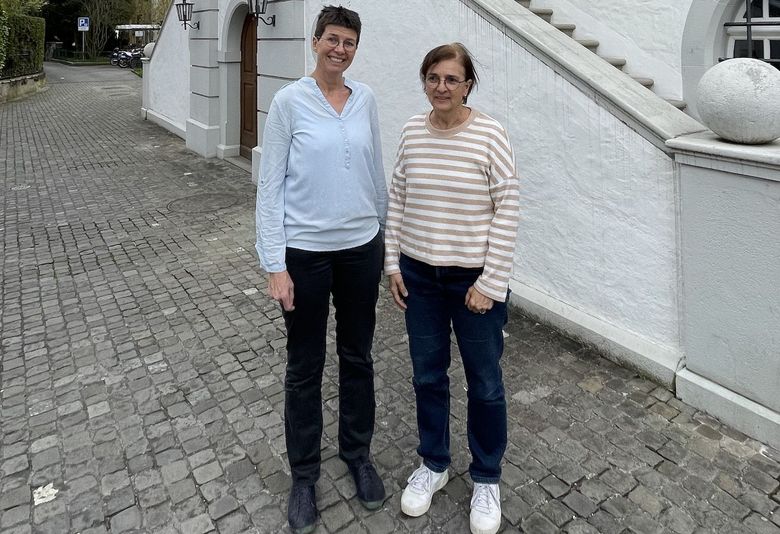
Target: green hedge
point(25, 46)
point(3, 37)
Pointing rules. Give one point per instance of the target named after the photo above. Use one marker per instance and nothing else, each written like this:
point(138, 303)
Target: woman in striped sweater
point(450, 239)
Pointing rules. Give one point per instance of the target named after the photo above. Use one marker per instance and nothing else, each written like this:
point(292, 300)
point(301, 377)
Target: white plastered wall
point(648, 33)
point(597, 245)
point(167, 78)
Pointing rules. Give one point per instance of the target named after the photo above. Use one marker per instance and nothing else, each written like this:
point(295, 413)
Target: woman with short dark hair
point(451, 227)
point(321, 203)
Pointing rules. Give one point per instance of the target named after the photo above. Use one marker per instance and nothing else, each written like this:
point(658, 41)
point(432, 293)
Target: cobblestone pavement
point(142, 367)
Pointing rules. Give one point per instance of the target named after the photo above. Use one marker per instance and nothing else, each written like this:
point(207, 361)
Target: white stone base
point(657, 362)
point(228, 151)
point(731, 408)
point(165, 122)
point(202, 138)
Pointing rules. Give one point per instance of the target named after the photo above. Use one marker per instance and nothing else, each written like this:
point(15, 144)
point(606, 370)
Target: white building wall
point(167, 78)
point(648, 33)
point(597, 238)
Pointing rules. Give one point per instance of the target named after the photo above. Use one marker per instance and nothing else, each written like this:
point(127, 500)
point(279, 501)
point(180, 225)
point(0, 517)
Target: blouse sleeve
point(380, 183)
point(269, 209)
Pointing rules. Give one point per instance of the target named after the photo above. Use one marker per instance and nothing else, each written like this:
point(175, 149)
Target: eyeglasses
point(450, 82)
point(333, 42)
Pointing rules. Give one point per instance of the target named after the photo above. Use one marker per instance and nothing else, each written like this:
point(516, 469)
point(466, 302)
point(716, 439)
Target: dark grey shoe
point(370, 490)
point(302, 509)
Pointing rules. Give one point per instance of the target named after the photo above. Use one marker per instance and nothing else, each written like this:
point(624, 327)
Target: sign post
point(83, 27)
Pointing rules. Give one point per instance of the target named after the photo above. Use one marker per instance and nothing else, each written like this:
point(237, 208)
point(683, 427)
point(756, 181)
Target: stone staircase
point(592, 45)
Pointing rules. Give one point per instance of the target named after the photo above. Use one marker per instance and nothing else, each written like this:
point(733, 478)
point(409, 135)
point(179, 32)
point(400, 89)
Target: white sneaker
point(417, 496)
point(485, 517)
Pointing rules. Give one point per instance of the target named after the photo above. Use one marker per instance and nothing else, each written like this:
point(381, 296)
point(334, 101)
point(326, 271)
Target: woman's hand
point(477, 302)
point(280, 288)
point(398, 289)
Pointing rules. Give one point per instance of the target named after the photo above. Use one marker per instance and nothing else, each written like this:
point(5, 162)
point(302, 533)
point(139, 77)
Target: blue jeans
point(351, 276)
point(436, 307)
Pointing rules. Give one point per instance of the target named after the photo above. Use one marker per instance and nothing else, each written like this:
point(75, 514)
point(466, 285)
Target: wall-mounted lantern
point(184, 12)
point(257, 9)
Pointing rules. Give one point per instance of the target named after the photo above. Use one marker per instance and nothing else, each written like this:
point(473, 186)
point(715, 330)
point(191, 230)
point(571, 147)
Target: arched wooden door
point(248, 86)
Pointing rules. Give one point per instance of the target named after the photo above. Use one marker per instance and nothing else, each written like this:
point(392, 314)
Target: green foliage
point(22, 7)
point(3, 37)
point(24, 52)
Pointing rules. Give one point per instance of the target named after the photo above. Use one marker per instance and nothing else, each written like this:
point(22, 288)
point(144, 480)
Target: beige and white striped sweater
point(454, 200)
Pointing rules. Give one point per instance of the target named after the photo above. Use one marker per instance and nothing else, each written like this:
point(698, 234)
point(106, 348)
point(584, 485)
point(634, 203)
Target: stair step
point(679, 104)
point(544, 12)
point(647, 82)
point(566, 28)
point(617, 62)
point(590, 44)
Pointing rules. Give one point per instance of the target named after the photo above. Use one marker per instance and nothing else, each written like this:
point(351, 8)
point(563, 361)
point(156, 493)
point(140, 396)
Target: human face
point(442, 99)
point(335, 59)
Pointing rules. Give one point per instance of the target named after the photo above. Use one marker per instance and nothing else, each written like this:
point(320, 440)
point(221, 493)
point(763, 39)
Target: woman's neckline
point(449, 132)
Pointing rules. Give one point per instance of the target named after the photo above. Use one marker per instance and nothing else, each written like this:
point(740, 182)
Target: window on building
point(766, 36)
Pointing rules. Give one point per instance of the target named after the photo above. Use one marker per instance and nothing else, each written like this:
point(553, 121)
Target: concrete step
point(679, 104)
point(647, 82)
point(590, 44)
point(566, 28)
point(544, 12)
point(617, 62)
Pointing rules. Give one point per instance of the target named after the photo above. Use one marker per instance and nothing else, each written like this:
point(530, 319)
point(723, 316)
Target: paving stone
point(126, 520)
point(222, 506)
point(513, 508)
point(235, 523)
point(578, 502)
point(539, 524)
point(14, 465)
point(554, 486)
point(15, 497)
point(207, 472)
point(174, 471)
point(198, 525)
point(556, 512)
point(678, 521)
point(14, 516)
point(760, 525)
point(239, 470)
point(646, 500)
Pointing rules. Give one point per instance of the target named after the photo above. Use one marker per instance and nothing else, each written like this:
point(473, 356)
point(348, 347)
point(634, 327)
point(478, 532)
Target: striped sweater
point(454, 200)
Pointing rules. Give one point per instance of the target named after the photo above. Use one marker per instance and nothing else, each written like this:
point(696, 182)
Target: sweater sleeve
point(505, 194)
point(271, 241)
point(395, 213)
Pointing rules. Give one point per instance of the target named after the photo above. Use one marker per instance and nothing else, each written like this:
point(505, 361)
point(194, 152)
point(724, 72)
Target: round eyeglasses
point(333, 42)
point(450, 82)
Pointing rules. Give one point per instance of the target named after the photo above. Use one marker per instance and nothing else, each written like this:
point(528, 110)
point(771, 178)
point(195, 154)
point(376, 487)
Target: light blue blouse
point(322, 183)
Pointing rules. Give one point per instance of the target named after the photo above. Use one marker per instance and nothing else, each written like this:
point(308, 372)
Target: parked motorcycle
point(115, 56)
point(130, 58)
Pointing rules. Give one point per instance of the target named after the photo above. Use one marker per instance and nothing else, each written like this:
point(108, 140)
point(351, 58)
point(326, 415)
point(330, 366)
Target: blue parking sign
point(83, 24)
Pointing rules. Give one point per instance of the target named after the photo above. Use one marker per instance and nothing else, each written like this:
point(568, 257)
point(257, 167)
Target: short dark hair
point(337, 16)
point(450, 51)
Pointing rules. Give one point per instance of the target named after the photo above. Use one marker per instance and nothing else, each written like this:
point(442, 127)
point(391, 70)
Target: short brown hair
point(337, 16)
point(450, 51)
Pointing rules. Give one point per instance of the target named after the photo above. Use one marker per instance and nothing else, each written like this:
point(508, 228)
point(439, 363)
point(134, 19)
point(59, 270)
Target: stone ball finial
point(148, 49)
point(739, 99)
